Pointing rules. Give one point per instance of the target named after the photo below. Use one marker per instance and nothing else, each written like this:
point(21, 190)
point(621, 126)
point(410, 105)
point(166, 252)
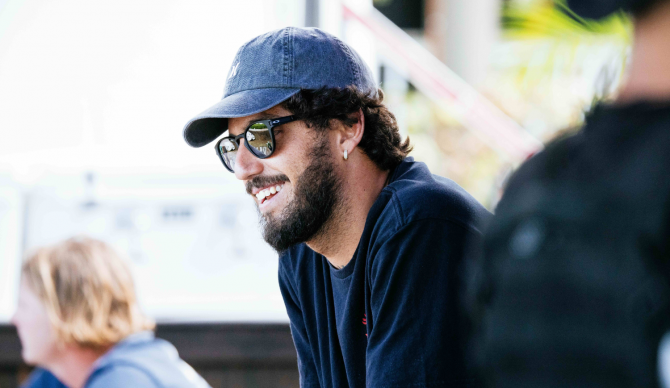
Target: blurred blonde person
point(78, 317)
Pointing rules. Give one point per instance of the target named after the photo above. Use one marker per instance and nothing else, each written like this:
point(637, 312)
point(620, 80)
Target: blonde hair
point(88, 292)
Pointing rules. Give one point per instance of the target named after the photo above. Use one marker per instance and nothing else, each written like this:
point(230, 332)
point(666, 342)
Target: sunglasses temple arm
point(283, 120)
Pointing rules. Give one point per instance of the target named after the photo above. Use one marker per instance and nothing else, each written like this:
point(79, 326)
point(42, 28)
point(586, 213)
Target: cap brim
point(210, 124)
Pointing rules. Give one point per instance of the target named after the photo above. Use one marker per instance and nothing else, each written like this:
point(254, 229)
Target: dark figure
point(572, 290)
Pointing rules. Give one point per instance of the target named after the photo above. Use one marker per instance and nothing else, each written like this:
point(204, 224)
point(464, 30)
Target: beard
point(315, 197)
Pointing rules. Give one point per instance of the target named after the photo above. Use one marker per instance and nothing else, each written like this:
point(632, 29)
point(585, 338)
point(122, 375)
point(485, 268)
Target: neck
point(362, 183)
point(73, 366)
point(649, 78)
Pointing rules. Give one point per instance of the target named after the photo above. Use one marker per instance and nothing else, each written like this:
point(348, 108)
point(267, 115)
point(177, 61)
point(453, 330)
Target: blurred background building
point(94, 95)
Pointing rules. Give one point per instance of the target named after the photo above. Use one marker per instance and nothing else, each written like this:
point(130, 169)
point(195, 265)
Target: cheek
point(38, 339)
point(294, 150)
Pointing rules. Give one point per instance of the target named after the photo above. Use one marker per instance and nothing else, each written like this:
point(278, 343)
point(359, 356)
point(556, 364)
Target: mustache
point(263, 181)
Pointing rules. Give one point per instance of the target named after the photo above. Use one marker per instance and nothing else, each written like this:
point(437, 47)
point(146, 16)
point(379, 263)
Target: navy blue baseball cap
point(273, 67)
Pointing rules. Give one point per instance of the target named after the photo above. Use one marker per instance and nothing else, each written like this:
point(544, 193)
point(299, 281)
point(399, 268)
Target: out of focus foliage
point(546, 18)
point(552, 64)
point(546, 71)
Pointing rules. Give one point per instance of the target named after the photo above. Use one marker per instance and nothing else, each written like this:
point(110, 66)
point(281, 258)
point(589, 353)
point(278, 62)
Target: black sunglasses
point(259, 139)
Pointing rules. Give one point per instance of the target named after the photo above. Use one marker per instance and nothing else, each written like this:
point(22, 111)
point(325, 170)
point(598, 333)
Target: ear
point(350, 136)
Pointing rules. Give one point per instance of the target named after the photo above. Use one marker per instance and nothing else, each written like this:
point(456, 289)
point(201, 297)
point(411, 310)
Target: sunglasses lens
point(258, 137)
point(228, 151)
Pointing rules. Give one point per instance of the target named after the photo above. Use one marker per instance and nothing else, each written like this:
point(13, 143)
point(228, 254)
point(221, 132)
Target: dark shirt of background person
point(573, 289)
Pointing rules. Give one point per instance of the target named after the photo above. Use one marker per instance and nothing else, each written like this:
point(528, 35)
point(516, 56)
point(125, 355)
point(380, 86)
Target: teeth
point(268, 192)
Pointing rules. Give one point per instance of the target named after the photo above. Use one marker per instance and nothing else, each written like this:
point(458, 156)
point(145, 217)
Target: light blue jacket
point(143, 361)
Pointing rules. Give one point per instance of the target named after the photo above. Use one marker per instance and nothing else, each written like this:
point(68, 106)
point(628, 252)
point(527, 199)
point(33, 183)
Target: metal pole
point(472, 28)
point(311, 13)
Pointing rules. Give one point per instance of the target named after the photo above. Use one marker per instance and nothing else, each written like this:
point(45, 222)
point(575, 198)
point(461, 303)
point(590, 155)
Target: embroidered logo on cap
point(233, 71)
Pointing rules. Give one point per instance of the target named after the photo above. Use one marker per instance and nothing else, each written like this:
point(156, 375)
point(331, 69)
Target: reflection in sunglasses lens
point(228, 151)
point(258, 137)
point(227, 146)
point(229, 158)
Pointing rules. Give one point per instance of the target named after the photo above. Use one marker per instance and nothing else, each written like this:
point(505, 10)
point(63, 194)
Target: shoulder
point(121, 375)
point(551, 161)
point(139, 348)
point(146, 359)
point(417, 195)
point(558, 163)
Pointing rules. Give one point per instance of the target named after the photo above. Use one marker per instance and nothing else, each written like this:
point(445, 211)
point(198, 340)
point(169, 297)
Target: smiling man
point(371, 244)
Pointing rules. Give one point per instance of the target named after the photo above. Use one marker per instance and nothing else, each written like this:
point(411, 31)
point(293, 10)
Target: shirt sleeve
point(306, 365)
point(121, 376)
point(414, 315)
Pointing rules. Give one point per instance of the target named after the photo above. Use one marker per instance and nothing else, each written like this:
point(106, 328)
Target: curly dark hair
point(381, 140)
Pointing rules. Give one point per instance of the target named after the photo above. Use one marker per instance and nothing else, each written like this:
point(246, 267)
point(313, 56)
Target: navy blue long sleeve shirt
point(390, 317)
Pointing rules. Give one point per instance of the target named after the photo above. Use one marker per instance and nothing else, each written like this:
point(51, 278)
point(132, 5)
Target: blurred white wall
point(122, 74)
point(106, 87)
point(11, 243)
point(191, 239)
point(471, 31)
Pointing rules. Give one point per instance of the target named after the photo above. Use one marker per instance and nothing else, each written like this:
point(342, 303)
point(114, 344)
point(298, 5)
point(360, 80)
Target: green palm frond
point(553, 19)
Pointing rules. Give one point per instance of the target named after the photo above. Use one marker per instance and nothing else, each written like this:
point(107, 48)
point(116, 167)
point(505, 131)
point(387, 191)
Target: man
point(574, 288)
point(370, 243)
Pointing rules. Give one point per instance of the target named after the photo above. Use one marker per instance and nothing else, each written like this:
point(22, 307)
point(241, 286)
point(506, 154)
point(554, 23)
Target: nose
point(246, 164)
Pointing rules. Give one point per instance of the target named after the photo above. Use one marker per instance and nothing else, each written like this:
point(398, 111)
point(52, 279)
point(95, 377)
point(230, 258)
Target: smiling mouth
point(268, 193)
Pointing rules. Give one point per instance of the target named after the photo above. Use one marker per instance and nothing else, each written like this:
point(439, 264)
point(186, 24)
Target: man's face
point(302, 173)
point(37, 335)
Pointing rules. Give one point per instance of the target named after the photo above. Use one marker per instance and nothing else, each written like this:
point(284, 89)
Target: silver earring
point(346, 155)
